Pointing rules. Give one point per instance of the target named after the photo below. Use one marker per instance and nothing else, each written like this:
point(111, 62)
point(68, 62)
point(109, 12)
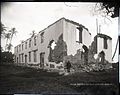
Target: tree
point(108, 6)
point(7, 56)
point(108, 9)
point(7, 37)
point(13, 32)
point(3, 29)
point(9, 47)
point(60, 50)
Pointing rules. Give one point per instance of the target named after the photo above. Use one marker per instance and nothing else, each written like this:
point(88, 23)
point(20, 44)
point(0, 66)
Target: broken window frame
point(29, 56)
point(30, 43)
point(50, 58)
point(19, 47)
point(35, 56)
point(95, 44)
point(35, 39)
point(77, 34)
point(42, 37)
point(22, 46)
point(19, 58)
point(105, 43)
point(15, 58)
point(26, 45)
point(42, 55)
point(80, 34)
point(22, 57)
point(52, 66)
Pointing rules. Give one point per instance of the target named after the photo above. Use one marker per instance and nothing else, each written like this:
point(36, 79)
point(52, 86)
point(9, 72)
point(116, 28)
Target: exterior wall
point(108, 51)
point(86, 38)
point(26, 51)
point(51, 33)
point(69, 36)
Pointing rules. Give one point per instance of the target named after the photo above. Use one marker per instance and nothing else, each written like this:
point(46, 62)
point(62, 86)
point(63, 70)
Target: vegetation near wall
point(7, 57)
point(7, 35)
point(57, 54)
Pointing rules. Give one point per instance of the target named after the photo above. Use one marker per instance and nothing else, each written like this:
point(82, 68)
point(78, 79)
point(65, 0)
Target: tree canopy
point(108, 6)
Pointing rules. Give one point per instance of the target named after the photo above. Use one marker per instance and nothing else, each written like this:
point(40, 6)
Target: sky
point(29, 16)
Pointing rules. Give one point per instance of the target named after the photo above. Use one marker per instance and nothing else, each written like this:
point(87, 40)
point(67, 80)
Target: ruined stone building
point(103, 44)
point(60, 39)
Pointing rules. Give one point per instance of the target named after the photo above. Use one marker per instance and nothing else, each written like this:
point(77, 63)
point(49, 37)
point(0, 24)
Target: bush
point(7, 57)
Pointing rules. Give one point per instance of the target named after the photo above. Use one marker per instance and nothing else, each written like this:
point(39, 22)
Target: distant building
point(39, 49)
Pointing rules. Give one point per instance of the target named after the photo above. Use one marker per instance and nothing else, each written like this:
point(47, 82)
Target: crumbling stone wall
point(82, 60)
point(57, 54)
point(76, 60)
point(60, 50)
point(85, 61)
point(91, 53)
point(51, 55)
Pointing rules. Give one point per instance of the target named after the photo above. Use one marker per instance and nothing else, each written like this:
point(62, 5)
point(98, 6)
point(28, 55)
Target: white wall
point(69, 37)
point(86, 38)
point(51, 33)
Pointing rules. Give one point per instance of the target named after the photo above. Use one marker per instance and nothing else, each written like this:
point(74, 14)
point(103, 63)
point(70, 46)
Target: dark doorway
point(25, 58)
point(80, 33)
point(85, 54)
point(102, 56)
point(17, 59)
point(42, 59)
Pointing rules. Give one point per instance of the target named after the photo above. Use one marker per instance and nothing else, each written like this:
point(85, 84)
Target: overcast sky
point(28, 16)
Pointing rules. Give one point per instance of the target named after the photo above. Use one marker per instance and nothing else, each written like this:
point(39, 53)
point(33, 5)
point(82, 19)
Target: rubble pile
point(85, 60)
point(97, 66)
point(80, 65)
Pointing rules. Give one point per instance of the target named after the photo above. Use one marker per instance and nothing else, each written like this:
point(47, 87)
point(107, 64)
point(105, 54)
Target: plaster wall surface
point(51, 33)
point(69, 36)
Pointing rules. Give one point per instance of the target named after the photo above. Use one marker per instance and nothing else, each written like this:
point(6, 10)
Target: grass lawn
point(16, 79)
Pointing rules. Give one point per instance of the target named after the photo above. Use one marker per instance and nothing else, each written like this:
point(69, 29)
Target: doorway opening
point(42, 54)
point(25, 58)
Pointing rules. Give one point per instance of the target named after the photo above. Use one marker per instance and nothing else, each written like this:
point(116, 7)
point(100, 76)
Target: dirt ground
point(17, 79)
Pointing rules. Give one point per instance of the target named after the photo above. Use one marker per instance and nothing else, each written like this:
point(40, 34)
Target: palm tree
point(3, 29)
point(12, 31)
point(9, 47)
point(7, 36)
